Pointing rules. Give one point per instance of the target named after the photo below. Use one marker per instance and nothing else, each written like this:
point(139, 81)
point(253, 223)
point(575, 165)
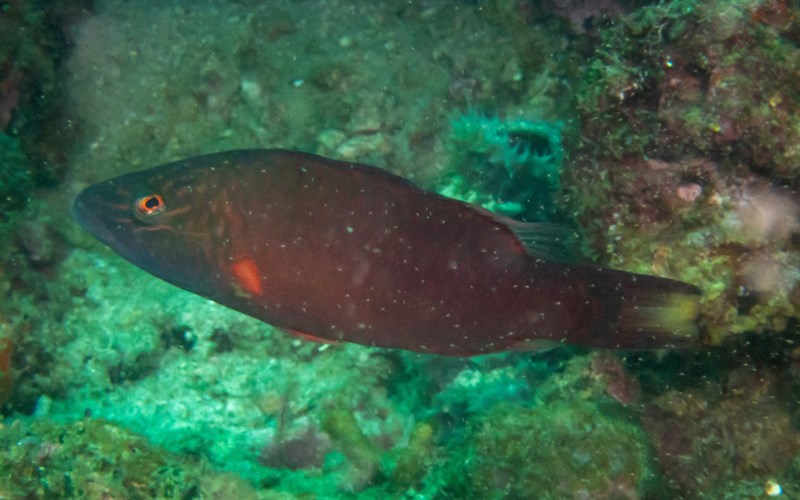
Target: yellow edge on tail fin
point(669, 318)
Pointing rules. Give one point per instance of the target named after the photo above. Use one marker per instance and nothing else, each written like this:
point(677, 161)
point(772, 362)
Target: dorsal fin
point(544, 240)
point(547, 240)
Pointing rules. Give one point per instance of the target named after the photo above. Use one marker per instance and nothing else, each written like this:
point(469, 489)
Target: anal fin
point(309, 337)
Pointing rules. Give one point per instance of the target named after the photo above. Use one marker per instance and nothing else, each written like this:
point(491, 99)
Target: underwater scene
point(415, 249)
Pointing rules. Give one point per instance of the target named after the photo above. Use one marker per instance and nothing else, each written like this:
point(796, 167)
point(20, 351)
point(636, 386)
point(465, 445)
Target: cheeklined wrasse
point(338, 251)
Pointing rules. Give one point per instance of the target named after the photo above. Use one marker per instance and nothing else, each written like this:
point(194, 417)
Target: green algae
point(411, 463)
point(362, 454)
point(96, 459)
point(519, 452)
point(509, 166)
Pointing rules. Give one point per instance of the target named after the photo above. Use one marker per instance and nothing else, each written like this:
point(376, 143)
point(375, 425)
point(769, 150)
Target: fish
point(336, 251)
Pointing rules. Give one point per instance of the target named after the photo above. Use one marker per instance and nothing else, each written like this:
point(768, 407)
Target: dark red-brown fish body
point(342, 251)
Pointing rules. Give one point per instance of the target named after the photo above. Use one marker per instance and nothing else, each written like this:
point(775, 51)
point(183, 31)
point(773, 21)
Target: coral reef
point(707, 441)
point(511, 166)
point(15, 176)
point(96, 459)
point(508, 448)
point(688, 164)
point(33, 43)
point(519, 451)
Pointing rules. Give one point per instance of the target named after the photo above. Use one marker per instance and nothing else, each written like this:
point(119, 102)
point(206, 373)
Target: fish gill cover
point(680, 159)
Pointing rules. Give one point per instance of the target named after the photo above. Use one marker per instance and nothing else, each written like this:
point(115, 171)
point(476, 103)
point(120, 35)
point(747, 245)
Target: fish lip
point(92, 220)
point(78, 209)
point(81, 212)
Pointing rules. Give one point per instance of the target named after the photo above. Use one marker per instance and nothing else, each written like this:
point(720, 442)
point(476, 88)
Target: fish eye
point(149, 205)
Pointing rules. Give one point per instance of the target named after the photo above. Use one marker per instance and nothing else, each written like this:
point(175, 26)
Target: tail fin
point(645, 312)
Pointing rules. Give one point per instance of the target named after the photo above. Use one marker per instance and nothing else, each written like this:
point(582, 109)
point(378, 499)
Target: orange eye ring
point(150, 205)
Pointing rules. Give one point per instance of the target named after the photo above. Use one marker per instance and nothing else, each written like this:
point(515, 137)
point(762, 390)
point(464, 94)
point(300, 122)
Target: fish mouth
point(79, 210)
point(92, 210)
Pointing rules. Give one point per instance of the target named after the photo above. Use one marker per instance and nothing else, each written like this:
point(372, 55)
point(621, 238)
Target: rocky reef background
point(666, 133)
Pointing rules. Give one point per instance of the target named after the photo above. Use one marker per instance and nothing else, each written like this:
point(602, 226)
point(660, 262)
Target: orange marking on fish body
point(247, 275)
